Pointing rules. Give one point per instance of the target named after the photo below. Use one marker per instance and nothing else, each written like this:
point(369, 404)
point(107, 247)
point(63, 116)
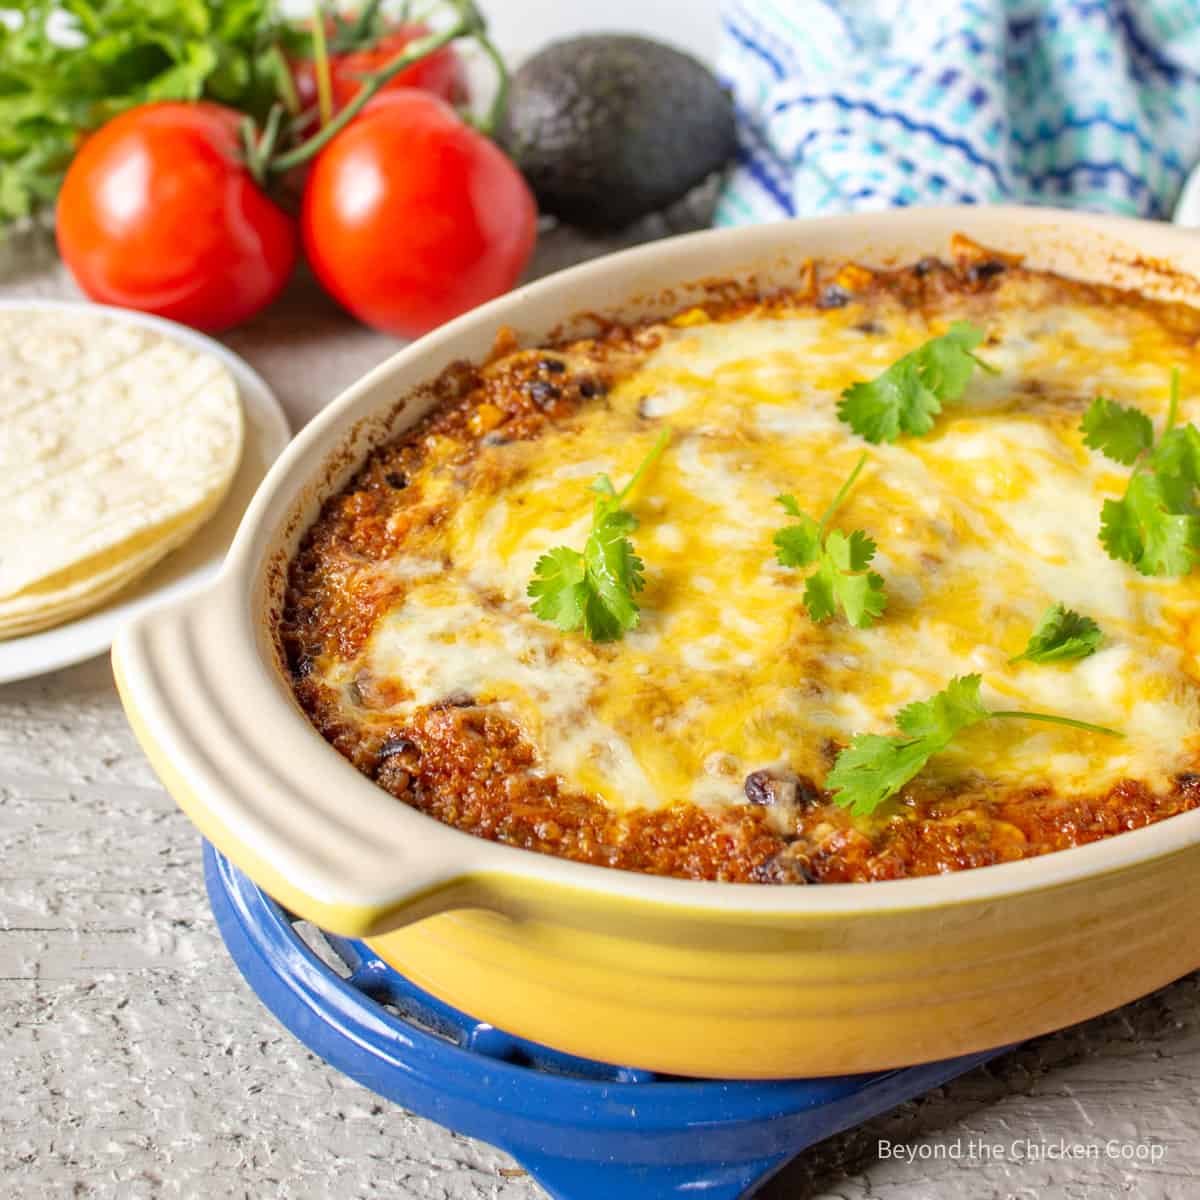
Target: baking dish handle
point(228, 741)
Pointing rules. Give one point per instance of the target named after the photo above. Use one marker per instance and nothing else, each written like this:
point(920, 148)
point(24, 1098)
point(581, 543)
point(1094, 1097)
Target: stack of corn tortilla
point(116, 444)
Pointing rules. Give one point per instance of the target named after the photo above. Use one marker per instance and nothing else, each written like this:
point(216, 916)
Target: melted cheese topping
point(981, 525)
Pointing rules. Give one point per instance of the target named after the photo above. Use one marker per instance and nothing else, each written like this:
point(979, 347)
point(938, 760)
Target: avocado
point(608, 128)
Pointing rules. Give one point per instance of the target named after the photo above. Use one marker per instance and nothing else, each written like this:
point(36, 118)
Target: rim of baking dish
point(369, 850)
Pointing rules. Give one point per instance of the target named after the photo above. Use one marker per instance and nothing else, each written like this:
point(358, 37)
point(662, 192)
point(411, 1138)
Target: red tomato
point(411, 217)
point(157, 213)
point(440, 73)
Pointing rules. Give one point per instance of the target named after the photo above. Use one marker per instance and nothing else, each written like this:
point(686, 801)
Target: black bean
point(983, 271)
point(396, 479)
point(784, 868)
point(396, 744)
point(759, 787)
point(542, 393)
point(783, 788)
point(770, 787)
point(555, 366)
point(834, 296)
point(589, 387)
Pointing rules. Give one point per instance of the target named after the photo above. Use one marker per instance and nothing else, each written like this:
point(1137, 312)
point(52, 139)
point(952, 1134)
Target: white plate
point(198, 559)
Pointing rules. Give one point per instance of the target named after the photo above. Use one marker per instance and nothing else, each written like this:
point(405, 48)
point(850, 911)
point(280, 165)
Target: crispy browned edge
point(447, 765)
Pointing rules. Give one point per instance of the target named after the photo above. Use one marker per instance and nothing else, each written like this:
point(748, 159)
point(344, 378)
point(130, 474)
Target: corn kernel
point(485, 418)
point(853, 278)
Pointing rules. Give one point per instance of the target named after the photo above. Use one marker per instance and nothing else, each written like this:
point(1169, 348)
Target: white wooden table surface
point(135, 1062)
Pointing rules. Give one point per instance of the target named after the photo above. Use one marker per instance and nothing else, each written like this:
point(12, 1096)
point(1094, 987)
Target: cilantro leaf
point(841, 579)
point(594, 590)
point(558, 588)
point(614, 575)
point(820, 596)
point(797, 545)
point(948, 362)
point(851, 553)
point(1120, 533)
point(896, 402)
point(1147, 529)
point(1116, 430)
point(873, 768)
point(946, 712)
point(859, 592)
point(1177, 455)
point(1155, 526)
point(911, 392)
point(1061, 635)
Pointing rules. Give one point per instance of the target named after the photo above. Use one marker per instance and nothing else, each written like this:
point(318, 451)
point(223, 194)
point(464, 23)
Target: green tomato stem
point(248, 141)
point(265, 146)
point(469, 23)
point(321, 63)
point(1049, 719)
point(495, 112)
point(364, 24)
point(285, 86)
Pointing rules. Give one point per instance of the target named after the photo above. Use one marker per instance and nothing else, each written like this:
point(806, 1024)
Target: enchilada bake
point(794, 588)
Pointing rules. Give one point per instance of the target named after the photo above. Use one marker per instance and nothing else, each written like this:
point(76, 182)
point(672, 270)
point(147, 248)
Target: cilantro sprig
point(594, 589)
point(1062, 635)
point(1155, 525)
point(873, 768)
point(841, 578)
point(66, 68)
point(911, 392)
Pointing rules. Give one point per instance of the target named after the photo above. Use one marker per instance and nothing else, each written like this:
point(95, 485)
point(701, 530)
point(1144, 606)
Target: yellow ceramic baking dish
point(687, 977)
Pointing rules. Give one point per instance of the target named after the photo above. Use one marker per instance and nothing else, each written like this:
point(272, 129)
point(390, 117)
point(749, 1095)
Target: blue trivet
point(584, 1130)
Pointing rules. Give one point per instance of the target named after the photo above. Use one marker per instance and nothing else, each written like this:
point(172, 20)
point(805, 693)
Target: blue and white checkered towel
point(868, 104)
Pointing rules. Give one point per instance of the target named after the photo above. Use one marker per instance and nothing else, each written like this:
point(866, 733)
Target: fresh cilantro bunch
point(67, 66)
point(594, 590)
point(912, 391)
point(841, 578)
point(1061, 636)
point(873, 768)
point(1155, 526)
